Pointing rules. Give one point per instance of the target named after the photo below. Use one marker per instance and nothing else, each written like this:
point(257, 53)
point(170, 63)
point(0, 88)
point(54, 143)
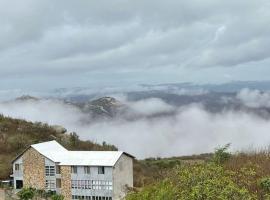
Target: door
point(19, 184)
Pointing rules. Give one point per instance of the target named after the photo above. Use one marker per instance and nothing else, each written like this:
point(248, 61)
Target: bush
point(57, 197)
point(26, 193)
point(265, 184)
point(221, 155)
point(197, 182)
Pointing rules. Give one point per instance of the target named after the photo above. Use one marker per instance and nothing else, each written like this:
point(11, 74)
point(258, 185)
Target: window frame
point(87, 170)
point(49, 170)
point(58, 183)
point(74, 169)
point(101, 169)
point(17, 167)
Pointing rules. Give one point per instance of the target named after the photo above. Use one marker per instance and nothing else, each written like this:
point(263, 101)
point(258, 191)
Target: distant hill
point(109, 107)
point(102, 107)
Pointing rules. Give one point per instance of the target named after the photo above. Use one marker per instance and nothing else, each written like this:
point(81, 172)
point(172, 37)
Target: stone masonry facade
point(66, 182)
point(33, 169)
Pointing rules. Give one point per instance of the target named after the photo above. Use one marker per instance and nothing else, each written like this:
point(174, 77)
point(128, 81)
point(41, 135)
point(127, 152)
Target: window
point(101, 170)
point(87, 169)
point(58, 183)
point(50, 170)
point(58, 169)
point(91, 184)
point(91, 197)
point(50, 184)
point(17, 167)
point(74, 169)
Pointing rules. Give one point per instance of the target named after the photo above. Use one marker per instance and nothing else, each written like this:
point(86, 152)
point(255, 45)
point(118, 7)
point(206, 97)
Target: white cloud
point(150, 106)
point(190, 130)
point(67, 37)
point(254, 98)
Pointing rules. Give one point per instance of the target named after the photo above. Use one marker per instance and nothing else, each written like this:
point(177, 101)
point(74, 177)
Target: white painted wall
point(17, 175)
point(122, 176)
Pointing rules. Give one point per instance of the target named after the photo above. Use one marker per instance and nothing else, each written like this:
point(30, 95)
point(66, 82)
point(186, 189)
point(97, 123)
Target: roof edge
point(20, 154)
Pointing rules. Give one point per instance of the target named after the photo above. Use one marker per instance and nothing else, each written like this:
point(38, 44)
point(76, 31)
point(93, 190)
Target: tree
point(221, 155)
point(74, 139)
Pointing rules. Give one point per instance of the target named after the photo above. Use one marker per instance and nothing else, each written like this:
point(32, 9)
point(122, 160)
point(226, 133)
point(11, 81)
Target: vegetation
point(32, 193)
point(26, 193)
point(152, 170)
point(57, 197)
point(224, 176)
point(221, 155)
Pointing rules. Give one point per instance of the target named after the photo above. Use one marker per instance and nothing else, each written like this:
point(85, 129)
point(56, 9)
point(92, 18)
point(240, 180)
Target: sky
point(55, 44)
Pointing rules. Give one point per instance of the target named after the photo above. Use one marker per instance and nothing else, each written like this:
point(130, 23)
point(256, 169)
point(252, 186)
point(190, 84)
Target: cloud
point(57, 113)
point(189, 130)
point(151, 106)
point(65, 38)
point(254, 98)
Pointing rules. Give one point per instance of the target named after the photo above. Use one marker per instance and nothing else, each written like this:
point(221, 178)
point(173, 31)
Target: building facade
point(90, 175)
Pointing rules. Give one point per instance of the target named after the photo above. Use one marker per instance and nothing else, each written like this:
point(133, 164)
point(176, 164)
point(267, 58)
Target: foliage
point(57, 197)
point(221, 155)
point(74, 139)
point(26, 193)
point(195, 182)
point(265, 184)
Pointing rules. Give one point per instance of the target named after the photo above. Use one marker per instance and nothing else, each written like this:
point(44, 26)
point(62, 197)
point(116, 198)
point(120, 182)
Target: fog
point(189, 130)
point(254, 98)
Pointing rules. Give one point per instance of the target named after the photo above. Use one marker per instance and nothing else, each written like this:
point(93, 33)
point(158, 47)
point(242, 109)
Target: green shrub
point(221, 155)
point(26, 193)
point(57, 197)
point(265, 184)
point(195, 182)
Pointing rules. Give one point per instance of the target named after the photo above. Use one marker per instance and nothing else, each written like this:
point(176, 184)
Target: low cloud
point(48, 111)
point(254, 98)
point(151, 106)
point(190, 130)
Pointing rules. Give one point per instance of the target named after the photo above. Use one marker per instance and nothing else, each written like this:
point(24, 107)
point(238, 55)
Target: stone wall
point(66, 182)
point(33, 169)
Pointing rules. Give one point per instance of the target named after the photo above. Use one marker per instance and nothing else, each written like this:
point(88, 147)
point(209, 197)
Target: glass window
point(50, 170)
point(101, 170)
point(74, 169)
point(87, 169)
point(17, 167)
point(58, 183)
point(50, 184)
point(58, 169)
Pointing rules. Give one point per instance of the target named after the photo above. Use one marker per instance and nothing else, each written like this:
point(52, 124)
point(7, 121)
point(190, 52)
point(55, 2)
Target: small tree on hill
point(221, 155)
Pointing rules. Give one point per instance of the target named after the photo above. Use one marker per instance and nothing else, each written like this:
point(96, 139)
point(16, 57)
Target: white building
point(93, 175)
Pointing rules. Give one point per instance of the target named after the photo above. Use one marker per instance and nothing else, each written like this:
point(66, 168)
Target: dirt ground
point(2, 194)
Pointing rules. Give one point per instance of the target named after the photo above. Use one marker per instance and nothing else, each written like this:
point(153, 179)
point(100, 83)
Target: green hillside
point(240, 176)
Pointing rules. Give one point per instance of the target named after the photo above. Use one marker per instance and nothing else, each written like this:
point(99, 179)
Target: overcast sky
point(66, 43)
